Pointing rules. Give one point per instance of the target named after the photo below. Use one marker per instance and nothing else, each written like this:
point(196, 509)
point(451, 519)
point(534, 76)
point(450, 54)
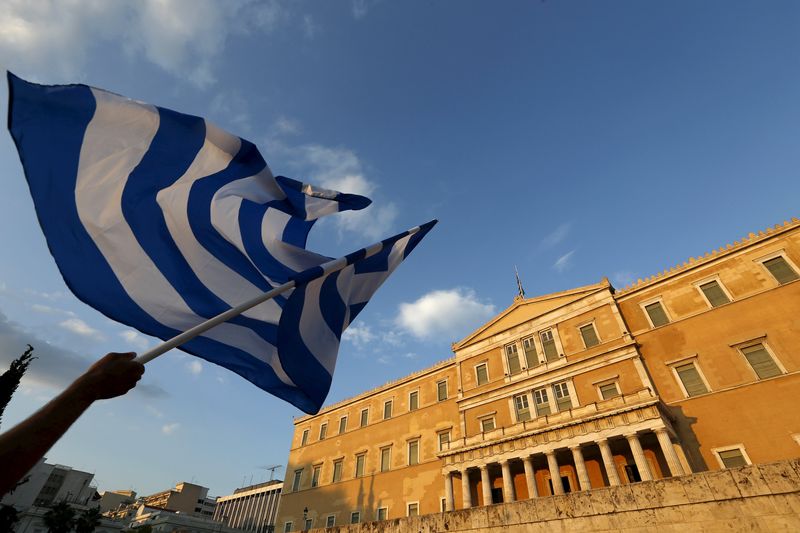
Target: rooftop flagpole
point(191, 333)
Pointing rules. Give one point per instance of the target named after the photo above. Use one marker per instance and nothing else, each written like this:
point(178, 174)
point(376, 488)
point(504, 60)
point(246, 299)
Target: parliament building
point(696, 368)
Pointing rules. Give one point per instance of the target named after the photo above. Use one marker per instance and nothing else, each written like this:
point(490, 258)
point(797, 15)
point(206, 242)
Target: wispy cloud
point(622, 278)
point(185, 38)
point(55, 366)
point(443, 314)
point(135, 339)
point(153, 411)
point(564, 262)
point(360, 8)
point(49, 310)
point(194, 367)
point(359, 334)
point(170, 429)
point(556, 236)
point(79, 327)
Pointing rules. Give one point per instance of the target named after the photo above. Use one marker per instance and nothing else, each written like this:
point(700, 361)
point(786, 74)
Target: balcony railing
point(573, 415)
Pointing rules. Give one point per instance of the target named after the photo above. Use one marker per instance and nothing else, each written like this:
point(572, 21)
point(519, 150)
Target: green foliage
point(10, 379)
point(60, 518)
point(8, 517)
point(88, 521)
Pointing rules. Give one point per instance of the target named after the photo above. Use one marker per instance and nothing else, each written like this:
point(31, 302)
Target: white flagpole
point(189, 334)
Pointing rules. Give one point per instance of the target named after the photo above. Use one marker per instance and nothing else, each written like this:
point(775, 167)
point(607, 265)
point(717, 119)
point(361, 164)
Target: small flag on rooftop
point(161, 220)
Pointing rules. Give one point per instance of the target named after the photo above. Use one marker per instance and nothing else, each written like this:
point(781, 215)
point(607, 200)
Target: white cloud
point(183, 37)
point(341, 170)
point(310, 28)
point(360, 8)
point(564, 262)
point(194, 367)
point(135, 339)
point(79, 327)
point(153, 411)
point(443, 313)
point(359, 334)
point(48, 310)
point(169, 429)
point(556, 236)
point(287, 126)
point(55, 367)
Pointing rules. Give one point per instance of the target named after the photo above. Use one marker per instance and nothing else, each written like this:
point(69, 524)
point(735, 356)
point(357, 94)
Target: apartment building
point(696, 368)
point(252, 508)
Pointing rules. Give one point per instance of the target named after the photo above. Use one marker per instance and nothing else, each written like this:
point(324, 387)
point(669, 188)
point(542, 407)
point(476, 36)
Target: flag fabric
point(161, 220)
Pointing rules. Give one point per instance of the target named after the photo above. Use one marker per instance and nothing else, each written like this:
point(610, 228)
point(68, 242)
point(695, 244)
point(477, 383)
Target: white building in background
point(162, 520)
point(251, 508)
point(48, 483)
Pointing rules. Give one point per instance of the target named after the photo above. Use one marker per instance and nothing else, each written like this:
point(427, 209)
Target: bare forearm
point(23, 445)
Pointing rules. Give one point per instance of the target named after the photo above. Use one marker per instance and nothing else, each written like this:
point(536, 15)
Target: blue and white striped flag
point(161, 220)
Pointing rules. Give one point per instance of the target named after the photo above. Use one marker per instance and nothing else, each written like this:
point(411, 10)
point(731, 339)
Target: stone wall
point(752, 498)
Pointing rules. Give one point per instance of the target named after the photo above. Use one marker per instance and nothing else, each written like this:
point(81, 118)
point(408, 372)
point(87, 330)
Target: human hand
point(112, 376)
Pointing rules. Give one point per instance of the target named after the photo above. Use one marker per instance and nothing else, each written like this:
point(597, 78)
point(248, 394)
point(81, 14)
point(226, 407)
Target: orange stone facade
point(697, 368)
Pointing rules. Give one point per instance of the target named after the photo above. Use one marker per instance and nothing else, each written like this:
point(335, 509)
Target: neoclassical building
point(694, 369)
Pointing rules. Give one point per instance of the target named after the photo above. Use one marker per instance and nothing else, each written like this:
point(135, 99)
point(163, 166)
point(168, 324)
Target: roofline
point(389, 384)
point(750, 240)
point(518, 302)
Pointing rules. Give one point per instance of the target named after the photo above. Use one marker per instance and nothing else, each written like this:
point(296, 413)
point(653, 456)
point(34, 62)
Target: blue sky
point(575, 140)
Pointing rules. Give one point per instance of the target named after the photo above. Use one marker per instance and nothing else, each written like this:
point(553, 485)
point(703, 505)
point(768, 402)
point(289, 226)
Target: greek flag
point(161, 220)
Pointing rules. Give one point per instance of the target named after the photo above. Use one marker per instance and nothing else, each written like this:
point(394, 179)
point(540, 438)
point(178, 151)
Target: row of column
point(642, 465)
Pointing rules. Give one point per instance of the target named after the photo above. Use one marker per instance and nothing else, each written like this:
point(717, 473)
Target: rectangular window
point(383, 513)
point(413, 452)
point(287, 527)
point(589, 335)
point(487, 424)
point(549, 345)
point(522, 408)
point(443, 505)
point(531, 357)
point(542, 402)
point(296, 481)
point(691, 380)
point(364, 417)
point(732, 457)
point(337, 471)
point(482, 374)
point(315, 476)
point(342, 425)
point(444, 440)
point(361, 460)
point(609, 390)
point(323, 430)
point(386, 458)
point(387, 409)
point(309, 523)
point(304, 440)
point(330, 521)
point(780, 270)
point(714, 293)
point(761, 361)
point(355, 517)
point(413, 509)
point(512, 358)
point(658, 317)
point(413, 401)
point(561, 392)
point(441, 391)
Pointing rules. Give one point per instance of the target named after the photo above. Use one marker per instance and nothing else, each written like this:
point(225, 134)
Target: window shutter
point(589, 336)
point(691, 380)
point(761, 361)
point(657, 314)
point(781, 270)
point(716, 296)
point(732, 458)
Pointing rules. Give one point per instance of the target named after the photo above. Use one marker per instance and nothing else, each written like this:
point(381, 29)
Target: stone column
point(608, 463)
point(465, 490)
point(486, 485)
point(580, 468)
point(508, 483)
point(667, 449)
point(555, 476)
point(449, 504)
point(639, 458)
point(530, 477)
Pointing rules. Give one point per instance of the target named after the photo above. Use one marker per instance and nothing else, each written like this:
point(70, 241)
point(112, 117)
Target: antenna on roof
point(520, 290)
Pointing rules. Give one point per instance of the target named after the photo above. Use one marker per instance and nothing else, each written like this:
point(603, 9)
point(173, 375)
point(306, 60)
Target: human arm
point(27, 442)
